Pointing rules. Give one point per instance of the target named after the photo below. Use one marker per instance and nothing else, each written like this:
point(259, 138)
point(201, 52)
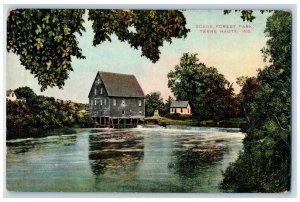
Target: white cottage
point(11, 95)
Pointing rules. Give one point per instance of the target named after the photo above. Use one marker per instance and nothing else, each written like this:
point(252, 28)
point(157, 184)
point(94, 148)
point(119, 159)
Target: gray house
point(116, 100)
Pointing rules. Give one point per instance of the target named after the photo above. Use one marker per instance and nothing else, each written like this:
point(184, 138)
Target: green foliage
point(246, 15)
point(45, 39)
point(182, 120)
point(151, 28)
point(26, 92)
point(265, 163)
point(208, 92)
point(45, 112)
point(166, 108)
point(232, 123)
point(153, 101)
point(177, 116)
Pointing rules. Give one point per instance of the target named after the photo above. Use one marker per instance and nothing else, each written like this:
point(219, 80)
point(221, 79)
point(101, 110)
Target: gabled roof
point(121, 85)
point(179, 104)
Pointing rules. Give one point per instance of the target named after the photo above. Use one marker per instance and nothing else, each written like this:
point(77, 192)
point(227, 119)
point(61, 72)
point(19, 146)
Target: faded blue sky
point(233, 54)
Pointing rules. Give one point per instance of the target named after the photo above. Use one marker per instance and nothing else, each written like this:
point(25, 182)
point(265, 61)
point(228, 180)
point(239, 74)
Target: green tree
point(265, 163)
point(233, 104)
point(153, 101)
point(25, 92)
point(45, 39)
point(246, 15)
point(204, 87)
point(250, 87)
point(166, 109)
point(45, 112)
point(18, 115)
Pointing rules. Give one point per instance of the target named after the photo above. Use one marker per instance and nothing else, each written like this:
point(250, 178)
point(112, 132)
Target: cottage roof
point(179, 104)
point(121, 85)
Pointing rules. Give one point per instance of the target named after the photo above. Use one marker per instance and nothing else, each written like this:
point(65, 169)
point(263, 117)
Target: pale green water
point(133, 160)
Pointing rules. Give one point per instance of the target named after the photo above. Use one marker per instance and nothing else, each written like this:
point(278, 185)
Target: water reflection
point(197, 155)
point(189, 162)
point(12, 134)
point(21, 146)
point(131, 160)
point(199, 158)
point(114, 150)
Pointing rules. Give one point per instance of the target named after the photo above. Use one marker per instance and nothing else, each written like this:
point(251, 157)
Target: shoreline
point(17, 133)
point(225, 123)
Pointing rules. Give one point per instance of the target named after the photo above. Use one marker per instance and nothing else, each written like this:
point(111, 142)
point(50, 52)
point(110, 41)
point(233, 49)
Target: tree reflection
point(98, 166)
point(115, 149)
point(193, 159)
point(20, 147)
point(26, 145)
point(37, 132)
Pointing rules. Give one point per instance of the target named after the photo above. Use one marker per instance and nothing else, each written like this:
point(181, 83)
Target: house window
point(140, 103)
point(101, 102)
point(98, 81)
point(95, 91)
point(101, 91)
point(91, 102)
point(95, 102)
point(123, 112)
point(140, 112)
point(123, 103)
point(104, 101)
point(114, 102)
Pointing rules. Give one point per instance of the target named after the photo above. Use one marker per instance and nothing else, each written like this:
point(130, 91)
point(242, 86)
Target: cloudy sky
point(234, 51)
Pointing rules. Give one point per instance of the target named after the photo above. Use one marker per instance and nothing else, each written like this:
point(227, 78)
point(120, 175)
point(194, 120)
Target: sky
point(234, 50)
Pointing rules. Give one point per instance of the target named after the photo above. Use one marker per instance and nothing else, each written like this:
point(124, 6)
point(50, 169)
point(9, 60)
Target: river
point(156, 159)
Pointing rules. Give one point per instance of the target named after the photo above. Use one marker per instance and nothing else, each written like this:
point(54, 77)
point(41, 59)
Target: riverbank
point(15, 133)
point(37, 132)
point(226, 123)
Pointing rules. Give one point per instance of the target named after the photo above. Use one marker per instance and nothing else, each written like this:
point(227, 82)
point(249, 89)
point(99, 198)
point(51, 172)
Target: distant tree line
point(154, 101)
point(45, 112)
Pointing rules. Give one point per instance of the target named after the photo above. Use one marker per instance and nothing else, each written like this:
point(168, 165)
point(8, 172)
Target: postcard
point(148, 101)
